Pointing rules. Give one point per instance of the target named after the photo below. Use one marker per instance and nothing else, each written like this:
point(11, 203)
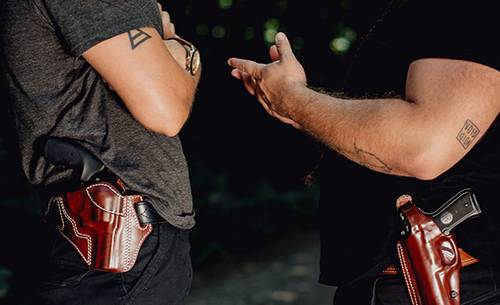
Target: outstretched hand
point(272, 83)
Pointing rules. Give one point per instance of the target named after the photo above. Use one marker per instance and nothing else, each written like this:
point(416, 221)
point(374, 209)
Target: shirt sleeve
point(83, 24)
point(456, 29)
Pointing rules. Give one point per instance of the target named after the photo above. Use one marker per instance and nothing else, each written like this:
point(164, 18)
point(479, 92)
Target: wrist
point(295, 97)
point(192, 56)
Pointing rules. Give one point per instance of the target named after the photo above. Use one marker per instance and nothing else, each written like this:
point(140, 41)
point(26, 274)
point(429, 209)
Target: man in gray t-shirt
point(61, 58)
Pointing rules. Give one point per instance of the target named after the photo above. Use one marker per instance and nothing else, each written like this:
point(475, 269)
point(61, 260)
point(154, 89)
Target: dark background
point(247, 169)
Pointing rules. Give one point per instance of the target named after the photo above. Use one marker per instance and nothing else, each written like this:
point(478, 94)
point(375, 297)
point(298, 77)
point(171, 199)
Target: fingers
point(236, 74)
point(252, 87)
point(247, 66)
point(177, 51)
point(287, 121)
point(273, 53)
point(247, 80)
point(165, 18)
point(284, 47)
point(172, 29)
point(168, 26)
point(263, 101)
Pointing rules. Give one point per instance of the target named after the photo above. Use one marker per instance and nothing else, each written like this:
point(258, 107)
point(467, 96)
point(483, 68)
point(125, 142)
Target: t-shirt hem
point(180, 222)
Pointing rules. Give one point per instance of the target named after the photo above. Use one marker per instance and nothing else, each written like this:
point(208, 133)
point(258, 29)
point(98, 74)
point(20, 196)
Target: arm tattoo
point(371, 160)
point(138, 38)
point(468, 134)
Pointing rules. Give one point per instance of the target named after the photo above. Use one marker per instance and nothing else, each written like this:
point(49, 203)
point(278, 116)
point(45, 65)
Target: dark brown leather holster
point(429, 260)
point(102, 225)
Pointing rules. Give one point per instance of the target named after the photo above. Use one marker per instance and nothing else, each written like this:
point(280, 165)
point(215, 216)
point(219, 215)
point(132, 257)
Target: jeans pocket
point(65, 267)
point(61, 285)
point(64, 276)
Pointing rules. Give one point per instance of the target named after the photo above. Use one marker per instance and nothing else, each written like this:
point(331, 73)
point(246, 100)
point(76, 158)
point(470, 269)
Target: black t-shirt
point(55, 92)
point(357, 208)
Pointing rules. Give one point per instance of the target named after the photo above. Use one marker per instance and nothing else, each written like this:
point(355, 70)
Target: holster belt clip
point(147, 214)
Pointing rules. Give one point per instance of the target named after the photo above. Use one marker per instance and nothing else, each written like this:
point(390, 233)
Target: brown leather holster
point(429, 260)
point(102, 225)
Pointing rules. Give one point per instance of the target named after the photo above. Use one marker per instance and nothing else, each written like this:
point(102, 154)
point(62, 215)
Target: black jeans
point(161, 275)
point(480, 285)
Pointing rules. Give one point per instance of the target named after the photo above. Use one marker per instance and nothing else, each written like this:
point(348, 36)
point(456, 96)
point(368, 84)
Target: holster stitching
point(406, 275)
point(148, 227)
point(62, 210)
point(97, 205)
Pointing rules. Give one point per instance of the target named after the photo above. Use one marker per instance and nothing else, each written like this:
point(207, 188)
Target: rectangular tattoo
point(137, 38)
point(468, 134)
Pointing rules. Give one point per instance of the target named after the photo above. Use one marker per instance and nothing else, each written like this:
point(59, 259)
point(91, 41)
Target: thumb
point(284, 48)
point(273, 53)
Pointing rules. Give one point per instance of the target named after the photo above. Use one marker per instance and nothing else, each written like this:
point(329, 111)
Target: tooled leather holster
point(429, 261)
point(429, 256)
point(102, 225)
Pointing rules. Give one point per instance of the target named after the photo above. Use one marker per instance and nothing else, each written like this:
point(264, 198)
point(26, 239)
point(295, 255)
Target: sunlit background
point(256, 240)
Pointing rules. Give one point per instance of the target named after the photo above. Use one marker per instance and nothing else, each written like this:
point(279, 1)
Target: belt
point(145, 211)
point(147, 214)
point(465, 258)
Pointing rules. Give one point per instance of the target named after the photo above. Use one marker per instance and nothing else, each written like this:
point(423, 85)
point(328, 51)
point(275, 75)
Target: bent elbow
point(173, 116)
point(177, 121)
point(171, 129)
point(167, 121)
point(173, 123)
point(166, 111)
point(426, 165)
point(427, 174)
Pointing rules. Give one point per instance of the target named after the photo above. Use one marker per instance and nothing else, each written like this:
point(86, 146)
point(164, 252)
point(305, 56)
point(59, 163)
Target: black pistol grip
point(68, 154)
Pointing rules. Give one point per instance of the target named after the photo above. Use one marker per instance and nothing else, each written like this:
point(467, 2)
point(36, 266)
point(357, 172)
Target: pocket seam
point(484, 297)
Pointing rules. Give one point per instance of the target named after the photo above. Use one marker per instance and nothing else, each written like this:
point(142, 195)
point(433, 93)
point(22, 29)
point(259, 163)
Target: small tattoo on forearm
point(371, 160)
point(468, 134)
point(137, 37)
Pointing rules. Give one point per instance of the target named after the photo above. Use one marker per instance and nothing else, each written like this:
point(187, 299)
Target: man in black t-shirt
point(435, 134)
point(103, 75)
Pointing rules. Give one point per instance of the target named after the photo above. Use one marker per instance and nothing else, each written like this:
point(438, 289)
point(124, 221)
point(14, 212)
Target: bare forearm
point(381, 134)
point(192, 70)
point(188, 103)
point(452, 105)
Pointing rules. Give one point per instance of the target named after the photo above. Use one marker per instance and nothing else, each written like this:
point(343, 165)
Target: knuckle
point(165, 15)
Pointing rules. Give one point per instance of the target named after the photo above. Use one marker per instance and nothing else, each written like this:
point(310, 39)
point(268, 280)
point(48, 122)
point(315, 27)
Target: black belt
point(147, 213)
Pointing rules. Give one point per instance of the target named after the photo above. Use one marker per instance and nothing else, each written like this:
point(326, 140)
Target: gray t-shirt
point(57, 93)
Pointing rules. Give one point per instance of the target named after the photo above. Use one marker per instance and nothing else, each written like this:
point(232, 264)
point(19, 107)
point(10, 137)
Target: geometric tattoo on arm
point(137, 38)
point(467, 134)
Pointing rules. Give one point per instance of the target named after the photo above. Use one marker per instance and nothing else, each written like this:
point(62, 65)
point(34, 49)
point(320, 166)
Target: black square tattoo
point(468, 133)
